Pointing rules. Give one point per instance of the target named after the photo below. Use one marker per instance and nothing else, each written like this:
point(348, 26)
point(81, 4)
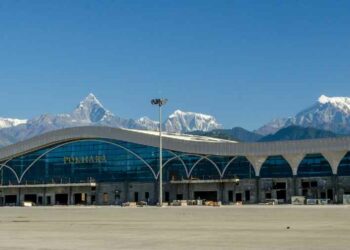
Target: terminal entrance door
point(206, 195)
point(281, 195)
point(61, 199)
point(238, 197)
point(10, 200)
point(48, 200)
point(330, 194)
point(167, 197)
point(80, 199)
point(40, 200)
point(281, 191)
point(30, 198)
point(230, 196)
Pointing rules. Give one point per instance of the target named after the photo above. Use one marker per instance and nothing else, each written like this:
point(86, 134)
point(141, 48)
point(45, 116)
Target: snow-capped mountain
point(147, 123)
point(90, 111)
point(328, 113)
point(180, 121)
point(9, 122)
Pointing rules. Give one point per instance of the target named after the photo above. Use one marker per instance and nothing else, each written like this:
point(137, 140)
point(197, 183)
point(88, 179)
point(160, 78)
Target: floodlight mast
point(160, 102)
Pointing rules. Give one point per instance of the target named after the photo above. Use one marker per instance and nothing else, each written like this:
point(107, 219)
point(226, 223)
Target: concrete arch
point(334, 159)
point(89, 140)
point(257, 162)
point(294, 161)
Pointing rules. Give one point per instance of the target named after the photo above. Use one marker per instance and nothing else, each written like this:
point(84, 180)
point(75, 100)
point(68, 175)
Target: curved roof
point(178, 142)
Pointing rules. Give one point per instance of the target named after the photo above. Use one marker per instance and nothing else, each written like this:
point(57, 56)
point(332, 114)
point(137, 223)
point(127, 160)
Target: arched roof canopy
point(177, 143)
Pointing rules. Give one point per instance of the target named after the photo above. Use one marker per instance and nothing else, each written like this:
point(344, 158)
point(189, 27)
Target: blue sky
point(245, 62)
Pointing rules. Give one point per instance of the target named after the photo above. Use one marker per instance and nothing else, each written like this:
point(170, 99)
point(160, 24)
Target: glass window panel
point(275, 167)
point(344, 166)
point(314, 165)
point(239, 168)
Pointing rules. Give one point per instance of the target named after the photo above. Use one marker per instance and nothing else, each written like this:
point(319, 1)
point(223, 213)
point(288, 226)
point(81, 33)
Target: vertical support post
point(19, 196)
point(188, 190)
point(44, 196)
point(2, 197)
point(335, 188)
point(156, 189)
point(222, 187)
point(70, 198)
point(160, 158)
point(295, 189)
point(126, 186)
point(2, 175)
point(257, 189)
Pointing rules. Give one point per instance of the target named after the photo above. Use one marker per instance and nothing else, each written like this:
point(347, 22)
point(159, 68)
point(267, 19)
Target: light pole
point(160, 102)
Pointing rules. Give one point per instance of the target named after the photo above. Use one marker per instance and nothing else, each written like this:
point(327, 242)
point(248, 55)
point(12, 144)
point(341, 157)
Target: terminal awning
point(205, 181)
point(85, 184)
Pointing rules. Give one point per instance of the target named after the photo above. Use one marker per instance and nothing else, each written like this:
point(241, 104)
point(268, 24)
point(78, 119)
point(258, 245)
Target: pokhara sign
point(92, 159)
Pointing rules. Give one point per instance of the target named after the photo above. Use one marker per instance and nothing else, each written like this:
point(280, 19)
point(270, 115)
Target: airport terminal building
point(107, 166)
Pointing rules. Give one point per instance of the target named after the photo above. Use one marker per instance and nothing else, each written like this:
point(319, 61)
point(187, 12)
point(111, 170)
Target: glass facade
point(106, 160)
point(174, 170)
point(205, 169)
point(240, 168)
point(275, 167)
point(81, 161)
point(344, 166)
point(314, 165)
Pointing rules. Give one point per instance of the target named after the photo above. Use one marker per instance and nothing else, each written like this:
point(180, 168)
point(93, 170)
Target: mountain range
point(328, 117)
point(328, 113)
point(90, 111)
